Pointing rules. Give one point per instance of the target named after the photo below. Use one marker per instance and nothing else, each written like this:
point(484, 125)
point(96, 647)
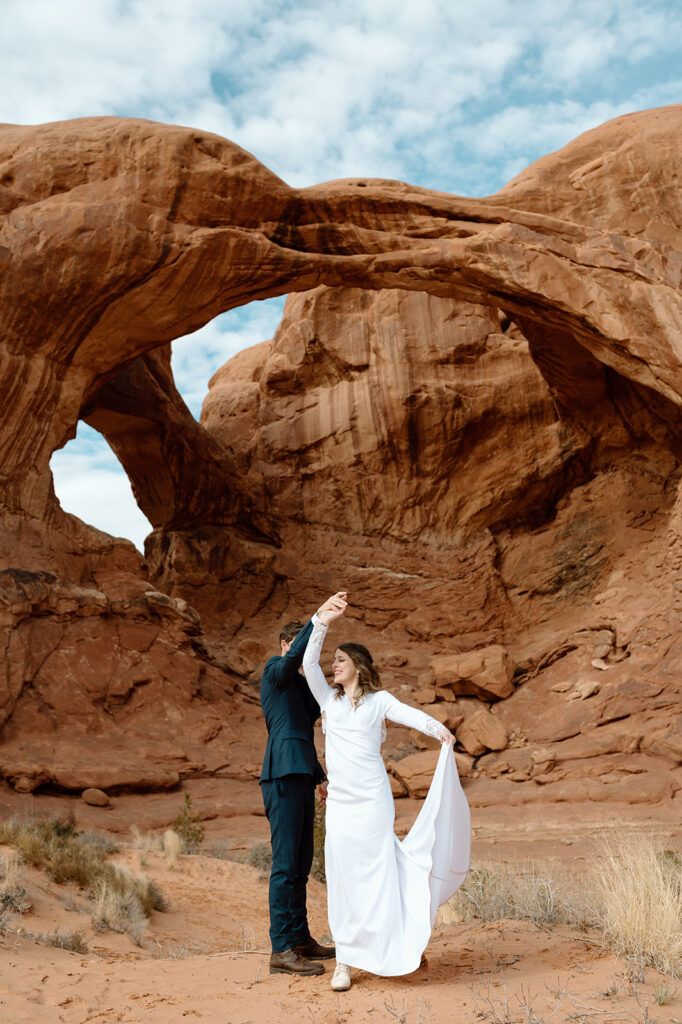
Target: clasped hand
point(333, 607)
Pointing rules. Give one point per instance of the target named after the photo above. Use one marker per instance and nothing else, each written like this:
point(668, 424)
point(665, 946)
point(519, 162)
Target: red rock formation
point(117, 236)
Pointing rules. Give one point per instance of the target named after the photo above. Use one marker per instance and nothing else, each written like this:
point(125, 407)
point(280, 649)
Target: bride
point(382, 892)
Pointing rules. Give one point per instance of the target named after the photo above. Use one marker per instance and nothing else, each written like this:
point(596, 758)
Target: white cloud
point(319, 89)
point(90, 484)
point(197, 356)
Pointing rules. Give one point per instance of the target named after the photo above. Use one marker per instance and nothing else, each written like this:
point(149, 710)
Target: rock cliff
point(470, 415)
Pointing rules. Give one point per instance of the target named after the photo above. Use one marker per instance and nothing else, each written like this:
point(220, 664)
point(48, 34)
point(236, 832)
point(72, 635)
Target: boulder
point(415, 772)
point(486, 673)
point(95, 797)
point(482, 732)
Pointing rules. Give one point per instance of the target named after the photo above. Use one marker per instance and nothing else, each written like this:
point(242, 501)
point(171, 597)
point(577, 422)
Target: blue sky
point(455, 95)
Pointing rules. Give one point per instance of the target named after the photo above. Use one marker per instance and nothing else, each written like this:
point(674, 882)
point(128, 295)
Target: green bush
point(189, 827)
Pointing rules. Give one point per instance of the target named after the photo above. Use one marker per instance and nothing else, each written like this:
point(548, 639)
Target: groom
point(290, 773)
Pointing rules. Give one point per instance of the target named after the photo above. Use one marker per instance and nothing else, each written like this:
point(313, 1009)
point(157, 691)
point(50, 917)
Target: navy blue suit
point(290, 773)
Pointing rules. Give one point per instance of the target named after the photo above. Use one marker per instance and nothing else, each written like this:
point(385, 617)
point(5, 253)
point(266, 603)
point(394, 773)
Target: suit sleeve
point(284, 671)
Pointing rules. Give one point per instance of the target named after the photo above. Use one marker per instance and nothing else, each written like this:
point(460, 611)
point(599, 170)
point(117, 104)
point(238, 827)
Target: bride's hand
point(447, 737)
point(333, 607)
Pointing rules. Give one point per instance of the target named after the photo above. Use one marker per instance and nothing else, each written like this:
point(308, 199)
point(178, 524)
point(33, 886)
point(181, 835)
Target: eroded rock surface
point(492, 463)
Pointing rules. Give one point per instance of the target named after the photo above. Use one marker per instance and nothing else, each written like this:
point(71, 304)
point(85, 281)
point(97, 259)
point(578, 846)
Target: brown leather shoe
point(291, 962)
point(314, 951)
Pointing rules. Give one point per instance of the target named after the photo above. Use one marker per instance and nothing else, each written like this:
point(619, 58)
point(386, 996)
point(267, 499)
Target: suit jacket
point(290, 713)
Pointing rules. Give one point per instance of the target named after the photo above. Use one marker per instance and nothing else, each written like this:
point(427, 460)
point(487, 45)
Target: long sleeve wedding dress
point(382, 892)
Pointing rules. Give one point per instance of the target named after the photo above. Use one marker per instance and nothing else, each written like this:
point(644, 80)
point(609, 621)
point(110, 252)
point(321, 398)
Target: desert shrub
point(222, 849)
point(14, 896)
point(260, 856)
point(14, 899)
point(66, 856)
point(100, 841)
point(74, 942)
point(120, 910)
point(631, 895)
point(494, 892)
point(189, 827)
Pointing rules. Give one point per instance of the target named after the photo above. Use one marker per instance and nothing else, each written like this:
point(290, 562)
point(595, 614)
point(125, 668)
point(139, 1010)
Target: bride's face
point(343, 669)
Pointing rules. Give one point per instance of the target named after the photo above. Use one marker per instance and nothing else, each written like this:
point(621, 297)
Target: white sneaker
point(341, 979)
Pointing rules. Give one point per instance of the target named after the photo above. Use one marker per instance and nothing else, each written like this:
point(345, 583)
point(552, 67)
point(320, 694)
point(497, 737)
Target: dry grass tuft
point(260, 856)
point(632, 896)
point(14, 896)
point(178, 950)
point(172, 847)
point(100, 841)
point(120, 910)
point(71, 857)
point(146, 842)
point(639, 903)
point(74, 942)
point(170, 844)
point(495, 892)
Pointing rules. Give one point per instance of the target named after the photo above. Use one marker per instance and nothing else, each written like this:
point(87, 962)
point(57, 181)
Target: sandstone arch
point(119, 235)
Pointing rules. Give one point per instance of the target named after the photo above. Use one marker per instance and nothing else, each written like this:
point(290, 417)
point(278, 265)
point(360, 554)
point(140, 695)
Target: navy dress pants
point(290, 809)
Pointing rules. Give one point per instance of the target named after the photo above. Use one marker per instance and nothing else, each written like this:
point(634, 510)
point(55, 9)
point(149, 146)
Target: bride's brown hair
point(368, 677)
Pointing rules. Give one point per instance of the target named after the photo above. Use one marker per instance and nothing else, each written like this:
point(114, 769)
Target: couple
point(382, 893)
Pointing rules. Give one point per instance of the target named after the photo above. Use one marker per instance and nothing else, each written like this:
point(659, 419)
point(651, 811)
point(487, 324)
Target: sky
point(455, 95)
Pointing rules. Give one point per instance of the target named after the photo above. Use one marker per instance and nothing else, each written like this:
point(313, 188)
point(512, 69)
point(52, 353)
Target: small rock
point(561, 687)
point(95, 797)
point(584, 690)
point(599, 663)
point(24, 784)
point(427, 695)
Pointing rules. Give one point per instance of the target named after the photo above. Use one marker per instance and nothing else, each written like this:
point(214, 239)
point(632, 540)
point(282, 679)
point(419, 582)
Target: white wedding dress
point(383, 893)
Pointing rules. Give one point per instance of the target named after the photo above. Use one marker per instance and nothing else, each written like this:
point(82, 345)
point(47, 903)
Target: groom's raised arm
point(284, 670)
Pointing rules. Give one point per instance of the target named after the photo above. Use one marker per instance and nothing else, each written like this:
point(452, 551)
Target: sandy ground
point(206, 958)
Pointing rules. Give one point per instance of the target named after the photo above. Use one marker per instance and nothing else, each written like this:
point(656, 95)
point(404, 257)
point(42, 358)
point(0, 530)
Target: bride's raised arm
point(330, 610)
point(413, 718)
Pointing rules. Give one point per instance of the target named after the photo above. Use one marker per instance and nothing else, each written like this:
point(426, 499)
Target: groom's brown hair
point(290, 631)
